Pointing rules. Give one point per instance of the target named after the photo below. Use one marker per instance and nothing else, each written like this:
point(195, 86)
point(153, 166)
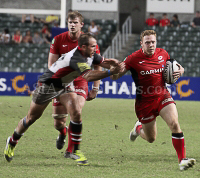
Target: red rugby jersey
point(62, 44)
point(147, 72)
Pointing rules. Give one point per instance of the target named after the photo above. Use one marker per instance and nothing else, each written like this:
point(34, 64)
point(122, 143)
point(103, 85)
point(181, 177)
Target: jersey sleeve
point(54, 46)
point(79, 65)
point(97, 59)
point(127, 62)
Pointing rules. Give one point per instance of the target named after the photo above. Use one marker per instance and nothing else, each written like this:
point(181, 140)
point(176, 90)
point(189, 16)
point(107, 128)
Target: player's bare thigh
point(60, 109)
point(170, 115)
point(36, 110)
point(72, 102)
point(34, 113)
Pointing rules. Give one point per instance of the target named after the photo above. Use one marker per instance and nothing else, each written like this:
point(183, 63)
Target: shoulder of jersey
point(136, 53)
point(62, 35)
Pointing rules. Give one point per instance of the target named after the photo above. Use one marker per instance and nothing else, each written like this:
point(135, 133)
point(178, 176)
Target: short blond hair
point(75, 14)
point(147, 33)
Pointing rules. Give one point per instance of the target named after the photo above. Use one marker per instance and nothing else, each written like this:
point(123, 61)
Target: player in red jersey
point(152, 96)
point(151, 21)
point(164, 21)
point(62, 44)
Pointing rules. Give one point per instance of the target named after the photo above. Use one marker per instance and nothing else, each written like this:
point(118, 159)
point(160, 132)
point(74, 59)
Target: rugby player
point(152, 97)
point(53, 83)
point(62, 44)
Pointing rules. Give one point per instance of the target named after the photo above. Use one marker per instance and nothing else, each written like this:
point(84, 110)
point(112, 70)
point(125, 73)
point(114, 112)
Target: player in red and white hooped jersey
point(152, 97)
point(52, 84)
point(62, 44)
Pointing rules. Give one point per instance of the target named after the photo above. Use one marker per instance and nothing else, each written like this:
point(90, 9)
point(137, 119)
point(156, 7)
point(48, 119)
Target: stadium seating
point(33, 57)
point(182, 43)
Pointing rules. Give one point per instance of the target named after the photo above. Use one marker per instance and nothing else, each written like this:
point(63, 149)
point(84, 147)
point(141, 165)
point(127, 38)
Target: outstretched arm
point(97, 75)
point(116, 76)
point(107, 63)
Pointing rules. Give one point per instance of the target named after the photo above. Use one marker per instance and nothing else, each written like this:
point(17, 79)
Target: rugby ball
point(169, 69)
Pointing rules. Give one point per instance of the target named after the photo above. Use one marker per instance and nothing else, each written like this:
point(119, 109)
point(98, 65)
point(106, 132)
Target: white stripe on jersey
point(63, 61)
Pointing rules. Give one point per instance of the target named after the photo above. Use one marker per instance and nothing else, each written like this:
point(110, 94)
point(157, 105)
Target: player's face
point(91, 48)
point(74, 25)
point(148, 44)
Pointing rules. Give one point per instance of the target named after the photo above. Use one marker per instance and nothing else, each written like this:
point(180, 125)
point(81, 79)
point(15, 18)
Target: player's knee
point(174, 126)
point(58, 124)
point(76, 115)
point(151, 139)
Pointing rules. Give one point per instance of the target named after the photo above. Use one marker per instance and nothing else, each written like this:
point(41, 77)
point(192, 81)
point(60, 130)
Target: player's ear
point(83, 47)
point(82, 24)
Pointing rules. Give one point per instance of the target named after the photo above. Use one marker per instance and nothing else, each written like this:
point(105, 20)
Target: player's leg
point(170, 116)
point(147, 131)
point(74, 105)
point(34, 113)
point(75, 126)
point(81, 89)
point(60, 117)
point(146, 124)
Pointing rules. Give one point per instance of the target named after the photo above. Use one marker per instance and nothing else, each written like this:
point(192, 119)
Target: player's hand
point(120, 67)
point(92, 95)
point(179, 72)
point(111, 61)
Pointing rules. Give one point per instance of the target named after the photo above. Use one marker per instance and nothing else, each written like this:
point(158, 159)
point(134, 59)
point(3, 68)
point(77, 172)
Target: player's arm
point(94, 75)
point(93, 93)
point(107, 63)
point(116, 76)
point(52, 58)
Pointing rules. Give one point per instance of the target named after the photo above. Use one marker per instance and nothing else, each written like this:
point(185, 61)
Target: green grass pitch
point(106, 127)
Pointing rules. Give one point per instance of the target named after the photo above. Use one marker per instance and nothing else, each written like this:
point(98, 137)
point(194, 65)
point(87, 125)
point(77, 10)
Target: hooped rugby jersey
point(69, 67)
point(147, 72)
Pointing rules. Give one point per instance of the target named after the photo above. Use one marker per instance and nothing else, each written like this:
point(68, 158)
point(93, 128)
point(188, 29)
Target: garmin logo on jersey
point(147, 72)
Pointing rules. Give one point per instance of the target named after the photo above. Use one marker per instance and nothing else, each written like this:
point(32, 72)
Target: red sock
point(179, 145)
point(138, 128)
point(70, 145)
point(15, 138)
point(63, 131)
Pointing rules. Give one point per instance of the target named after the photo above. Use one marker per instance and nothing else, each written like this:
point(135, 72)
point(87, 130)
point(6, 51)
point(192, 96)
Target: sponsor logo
point(141, 62)
point(15, 84)
point(64, 45)
point(160, 59)
point(181, 92)
point(148, 118)
point(167, 100)
point(147, 72)
point(83, 66)
point(80, 91)
point(3, 86)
